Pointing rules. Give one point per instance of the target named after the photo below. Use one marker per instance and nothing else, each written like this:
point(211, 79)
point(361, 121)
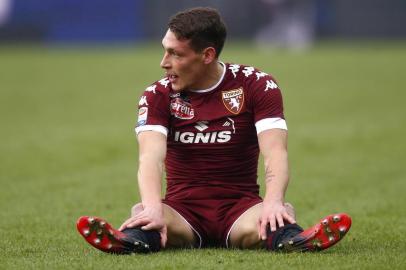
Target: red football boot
point(323, 235)
point(102, 236)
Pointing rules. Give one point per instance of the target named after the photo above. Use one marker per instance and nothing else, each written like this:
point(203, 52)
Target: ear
point(209, 55)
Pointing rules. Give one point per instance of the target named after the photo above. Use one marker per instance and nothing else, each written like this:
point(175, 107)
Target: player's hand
point(273, 214)
point(148, 218)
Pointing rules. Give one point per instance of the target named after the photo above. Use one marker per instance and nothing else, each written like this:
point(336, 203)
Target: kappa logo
point(260, 74)
point(164, 82)
point(151, 88)
point(234, 69)
point(270, 84)
point(143, 101)
point(233, 100)
point(248, 71)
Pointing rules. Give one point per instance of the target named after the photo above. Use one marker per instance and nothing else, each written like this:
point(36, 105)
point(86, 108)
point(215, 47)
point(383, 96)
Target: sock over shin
point(281, 234)
point(137, 235)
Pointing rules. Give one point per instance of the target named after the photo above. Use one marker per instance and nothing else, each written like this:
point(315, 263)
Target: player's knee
point(290, 209)
point(136, 209)
point(246, 237)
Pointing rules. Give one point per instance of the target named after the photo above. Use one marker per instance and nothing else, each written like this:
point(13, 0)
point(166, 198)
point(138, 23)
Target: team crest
point(233, 100)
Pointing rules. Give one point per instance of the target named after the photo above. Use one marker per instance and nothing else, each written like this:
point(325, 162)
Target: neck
point(211, 76)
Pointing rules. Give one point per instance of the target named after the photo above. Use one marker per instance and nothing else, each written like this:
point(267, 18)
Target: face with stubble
point(184, 67)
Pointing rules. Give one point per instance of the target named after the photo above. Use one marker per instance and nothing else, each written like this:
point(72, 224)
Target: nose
point(165, 61)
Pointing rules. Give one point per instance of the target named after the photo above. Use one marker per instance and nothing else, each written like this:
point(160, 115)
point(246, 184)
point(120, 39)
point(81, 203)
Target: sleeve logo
point(142, 116)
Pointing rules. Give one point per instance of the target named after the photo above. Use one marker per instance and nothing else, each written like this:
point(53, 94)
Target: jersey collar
point(214, 86)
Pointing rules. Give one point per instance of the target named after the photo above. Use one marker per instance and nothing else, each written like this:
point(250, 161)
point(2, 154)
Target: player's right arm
point(152, 129)
point(152, 151)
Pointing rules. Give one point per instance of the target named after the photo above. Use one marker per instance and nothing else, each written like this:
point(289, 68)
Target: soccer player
point(206, 122)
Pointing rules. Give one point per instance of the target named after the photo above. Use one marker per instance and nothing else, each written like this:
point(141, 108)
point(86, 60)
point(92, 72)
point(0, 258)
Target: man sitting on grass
point(206, 122)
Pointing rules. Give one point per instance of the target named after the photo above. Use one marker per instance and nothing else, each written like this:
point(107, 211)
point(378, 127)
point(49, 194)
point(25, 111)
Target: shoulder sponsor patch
point(233, 100)
point(142, 116)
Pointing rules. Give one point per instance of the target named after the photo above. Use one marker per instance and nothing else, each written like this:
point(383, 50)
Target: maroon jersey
point(212, 133)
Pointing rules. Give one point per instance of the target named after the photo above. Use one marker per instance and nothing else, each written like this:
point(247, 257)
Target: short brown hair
point(203, 26)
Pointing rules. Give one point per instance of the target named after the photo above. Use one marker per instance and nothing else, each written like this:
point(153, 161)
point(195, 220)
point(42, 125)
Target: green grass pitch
point(68, 149)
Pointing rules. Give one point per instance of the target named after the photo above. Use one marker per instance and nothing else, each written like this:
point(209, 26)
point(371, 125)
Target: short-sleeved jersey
point(212, 133)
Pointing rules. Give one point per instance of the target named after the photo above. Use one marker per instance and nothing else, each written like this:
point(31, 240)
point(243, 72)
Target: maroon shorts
point(211, 219)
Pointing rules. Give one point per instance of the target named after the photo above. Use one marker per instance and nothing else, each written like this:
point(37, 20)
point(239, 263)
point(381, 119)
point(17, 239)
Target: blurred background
point(72, 71)
point(291, 23)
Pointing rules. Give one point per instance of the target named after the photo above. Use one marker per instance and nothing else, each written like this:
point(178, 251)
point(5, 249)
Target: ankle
point(280, 235)
point(151, 237)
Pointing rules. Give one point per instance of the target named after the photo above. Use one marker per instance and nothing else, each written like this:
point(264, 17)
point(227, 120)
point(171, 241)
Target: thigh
point(180, 233)
point(244, 232)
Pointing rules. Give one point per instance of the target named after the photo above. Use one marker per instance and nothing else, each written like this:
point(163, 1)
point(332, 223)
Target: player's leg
point(291, 237)
point(101, 235)
point(244, 232)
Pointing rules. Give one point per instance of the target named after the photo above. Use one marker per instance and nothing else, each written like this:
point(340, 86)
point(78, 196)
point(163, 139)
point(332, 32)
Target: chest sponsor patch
point(233, 100)
point(182, 109)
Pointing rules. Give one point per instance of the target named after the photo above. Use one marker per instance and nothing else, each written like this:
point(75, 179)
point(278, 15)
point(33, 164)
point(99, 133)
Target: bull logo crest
point(233, 100)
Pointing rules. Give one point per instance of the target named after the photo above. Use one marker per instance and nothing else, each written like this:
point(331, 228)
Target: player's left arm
point(264, 99)
point(273, 147)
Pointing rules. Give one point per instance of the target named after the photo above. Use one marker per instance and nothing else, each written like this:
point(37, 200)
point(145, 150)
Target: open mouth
point(172, 78)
